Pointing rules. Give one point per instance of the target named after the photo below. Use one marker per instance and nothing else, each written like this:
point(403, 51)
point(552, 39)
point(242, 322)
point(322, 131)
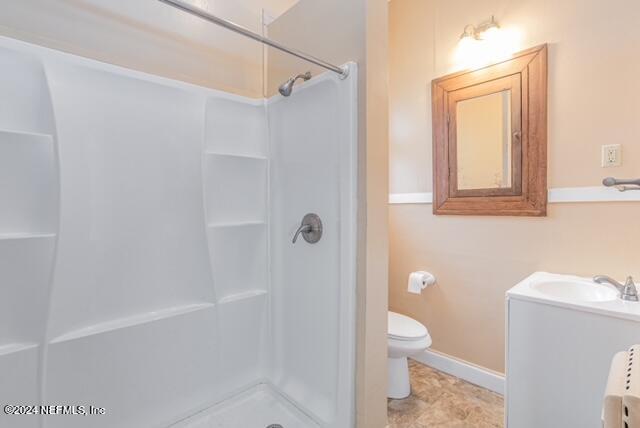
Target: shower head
point(287, 87)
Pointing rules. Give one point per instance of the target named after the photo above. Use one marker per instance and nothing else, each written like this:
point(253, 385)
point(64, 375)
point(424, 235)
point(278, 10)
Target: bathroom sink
point(576, 290)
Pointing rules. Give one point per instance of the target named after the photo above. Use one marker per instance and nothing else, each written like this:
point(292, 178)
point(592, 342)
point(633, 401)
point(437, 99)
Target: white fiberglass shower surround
point(146, 262)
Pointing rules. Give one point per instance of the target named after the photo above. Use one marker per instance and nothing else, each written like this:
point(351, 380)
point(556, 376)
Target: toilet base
point(398, 378)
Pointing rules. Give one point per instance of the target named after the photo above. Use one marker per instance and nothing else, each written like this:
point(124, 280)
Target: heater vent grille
point(622, 398)
point(631, 397)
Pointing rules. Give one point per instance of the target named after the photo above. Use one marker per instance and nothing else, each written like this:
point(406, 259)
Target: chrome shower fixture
point(287, 87)
point(622, 184)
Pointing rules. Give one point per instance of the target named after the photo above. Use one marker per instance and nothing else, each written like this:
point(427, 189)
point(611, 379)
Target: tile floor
point(441, 400)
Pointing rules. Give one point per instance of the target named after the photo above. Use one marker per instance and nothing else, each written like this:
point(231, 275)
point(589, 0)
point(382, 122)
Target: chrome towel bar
point(622, 184)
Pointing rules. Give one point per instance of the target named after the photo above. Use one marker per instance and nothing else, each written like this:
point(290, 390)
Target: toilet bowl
point(405, 337)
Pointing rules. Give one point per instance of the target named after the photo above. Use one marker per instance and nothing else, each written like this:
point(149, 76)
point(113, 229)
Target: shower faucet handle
point(304, 228)
point(310, 228)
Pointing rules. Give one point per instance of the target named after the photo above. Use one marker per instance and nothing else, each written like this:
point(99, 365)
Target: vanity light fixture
point(485, 44)
point(469, 33)
point(481, 32)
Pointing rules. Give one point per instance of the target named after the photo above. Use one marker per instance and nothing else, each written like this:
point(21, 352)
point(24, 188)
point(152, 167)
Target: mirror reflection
point(483, 141)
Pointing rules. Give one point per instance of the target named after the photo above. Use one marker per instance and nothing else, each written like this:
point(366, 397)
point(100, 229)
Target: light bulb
point(488, 43)
point(467, 51)
point(491, 33)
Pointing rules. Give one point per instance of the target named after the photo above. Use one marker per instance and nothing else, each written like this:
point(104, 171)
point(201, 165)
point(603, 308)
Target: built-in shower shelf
point(28, 193)
point(235, 189)
point(131, 321)
point(12, 348)
point(235, 155)
point(13, 236)
point(244, 295)
point(26, 134)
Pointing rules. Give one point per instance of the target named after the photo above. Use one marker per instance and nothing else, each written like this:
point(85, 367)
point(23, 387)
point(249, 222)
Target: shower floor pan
point(258, 407)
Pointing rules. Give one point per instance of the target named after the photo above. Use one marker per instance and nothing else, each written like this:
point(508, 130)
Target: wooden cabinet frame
point(525, 75)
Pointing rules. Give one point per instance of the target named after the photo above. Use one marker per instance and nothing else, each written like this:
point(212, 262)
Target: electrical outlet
point(611, 155)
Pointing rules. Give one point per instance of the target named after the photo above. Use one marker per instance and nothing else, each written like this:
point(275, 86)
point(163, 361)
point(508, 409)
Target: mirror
point(489, 136)
point(484, 141)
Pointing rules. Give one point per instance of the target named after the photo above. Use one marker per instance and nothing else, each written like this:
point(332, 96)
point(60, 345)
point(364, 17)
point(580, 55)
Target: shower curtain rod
point(186, 7)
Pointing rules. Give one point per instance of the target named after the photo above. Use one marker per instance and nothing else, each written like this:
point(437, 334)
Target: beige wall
point(593, 100)
point(305, 27)
point(341, 31)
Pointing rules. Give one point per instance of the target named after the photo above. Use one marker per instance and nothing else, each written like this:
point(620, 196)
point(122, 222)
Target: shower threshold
point(260, 406)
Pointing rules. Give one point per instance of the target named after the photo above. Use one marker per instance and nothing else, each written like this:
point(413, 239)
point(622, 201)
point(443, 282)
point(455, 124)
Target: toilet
point(405, 337)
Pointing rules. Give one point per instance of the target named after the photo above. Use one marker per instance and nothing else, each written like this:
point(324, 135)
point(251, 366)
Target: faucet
point(310, 229)
point(304, 229)
point(628, 290)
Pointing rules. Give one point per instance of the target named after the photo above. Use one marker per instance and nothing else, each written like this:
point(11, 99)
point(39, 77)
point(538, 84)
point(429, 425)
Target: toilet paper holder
point(420, 280)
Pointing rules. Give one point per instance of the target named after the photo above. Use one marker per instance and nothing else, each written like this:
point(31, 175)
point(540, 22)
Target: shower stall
point(147, 268)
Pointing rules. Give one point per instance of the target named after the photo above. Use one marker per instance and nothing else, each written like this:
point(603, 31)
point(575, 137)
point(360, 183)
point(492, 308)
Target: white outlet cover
point(611, 155)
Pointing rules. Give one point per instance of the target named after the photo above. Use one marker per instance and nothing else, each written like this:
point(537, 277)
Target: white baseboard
point(472, 374)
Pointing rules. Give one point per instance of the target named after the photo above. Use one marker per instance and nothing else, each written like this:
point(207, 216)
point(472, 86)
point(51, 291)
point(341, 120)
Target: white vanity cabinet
point(561, 337)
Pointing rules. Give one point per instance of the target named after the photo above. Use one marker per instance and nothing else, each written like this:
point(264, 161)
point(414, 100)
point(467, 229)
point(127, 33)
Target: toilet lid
point(402, 327)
